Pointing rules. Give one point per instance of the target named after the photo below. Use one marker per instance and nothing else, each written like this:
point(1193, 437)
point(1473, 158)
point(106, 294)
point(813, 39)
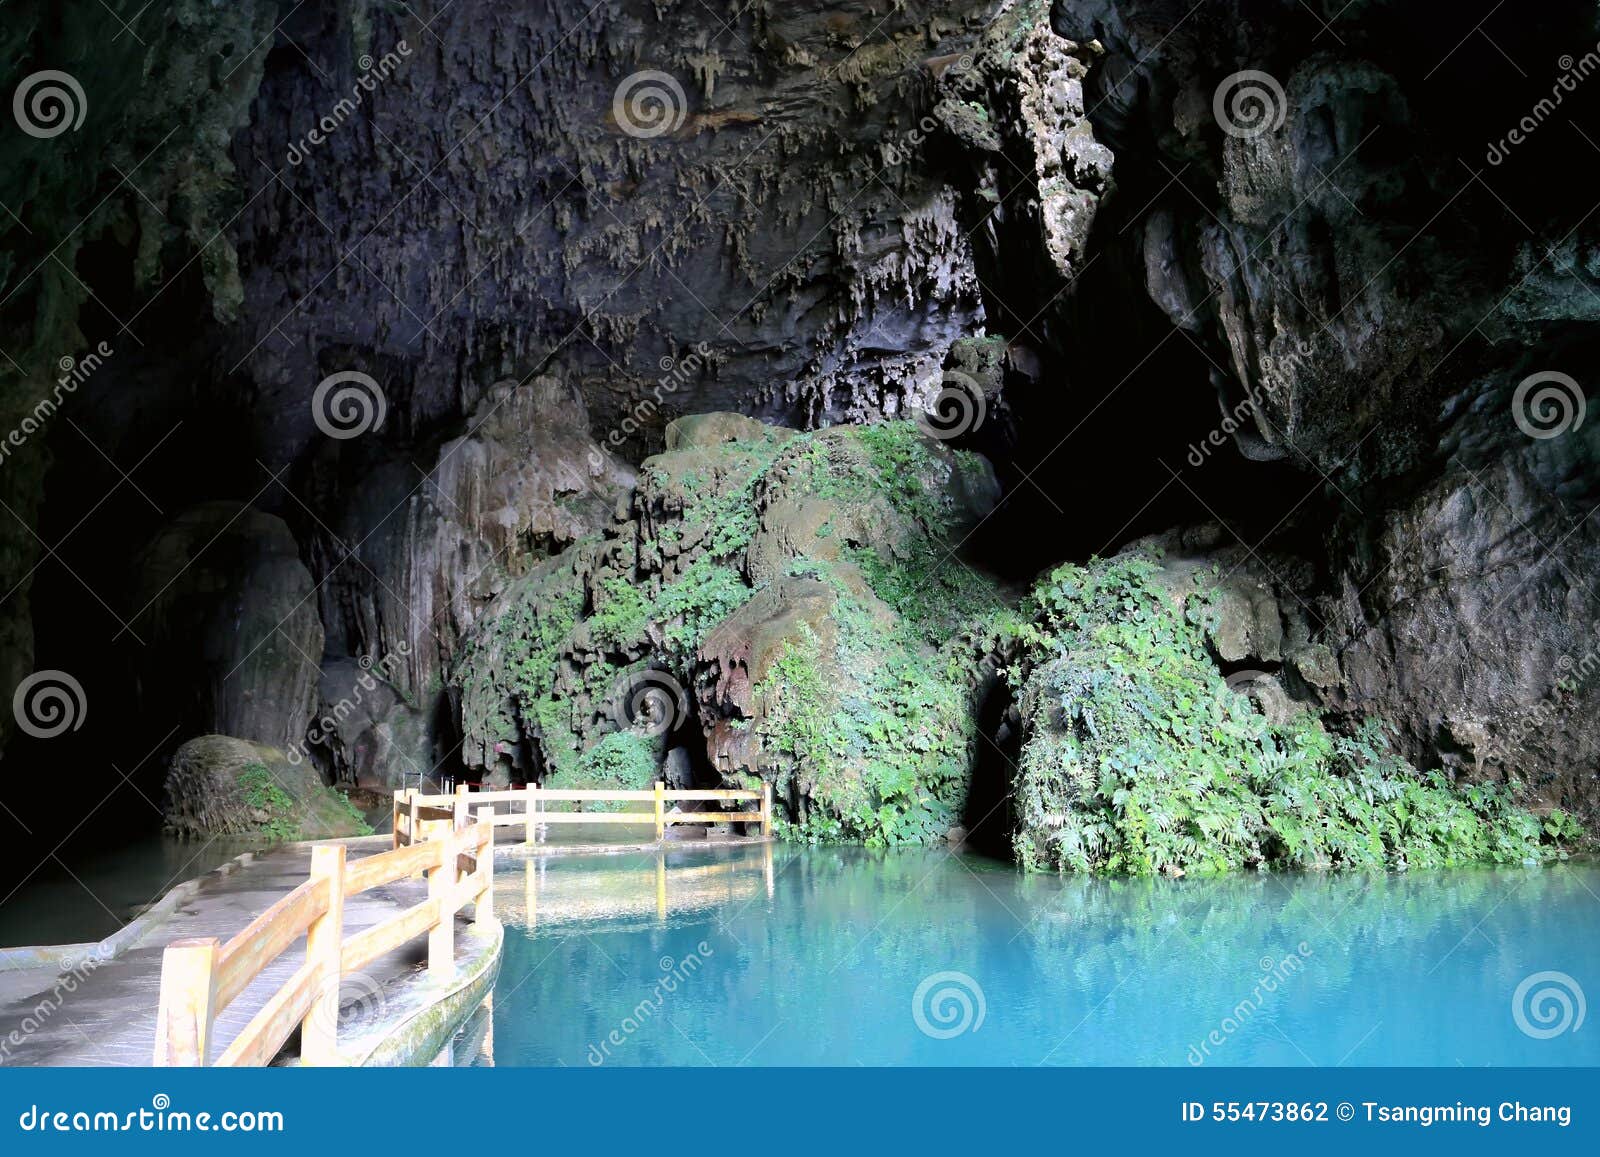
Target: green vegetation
point(1142, 760)
point(262, 793)
point(283, 823)
point(620, 761)
point(879, 732)
point(1137, 757)
point(703, 596)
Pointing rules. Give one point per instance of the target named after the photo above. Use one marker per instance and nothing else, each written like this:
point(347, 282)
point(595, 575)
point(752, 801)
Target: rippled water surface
point(845, 956)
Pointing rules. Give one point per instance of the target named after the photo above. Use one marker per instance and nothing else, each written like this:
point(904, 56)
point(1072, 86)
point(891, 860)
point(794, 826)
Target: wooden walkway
point(109, 1018)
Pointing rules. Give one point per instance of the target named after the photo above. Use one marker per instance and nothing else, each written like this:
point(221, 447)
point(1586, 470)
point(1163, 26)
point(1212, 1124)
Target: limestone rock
point(218, 785)
point(370, 736)
point(229, 608)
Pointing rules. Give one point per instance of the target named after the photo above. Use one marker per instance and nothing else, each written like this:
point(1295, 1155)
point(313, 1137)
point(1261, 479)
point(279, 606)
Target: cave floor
point(109, 1017)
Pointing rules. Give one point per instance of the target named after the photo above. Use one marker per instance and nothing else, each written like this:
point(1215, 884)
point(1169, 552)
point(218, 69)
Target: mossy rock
point(749, 548)
point(221, 786)
point(1139, 758)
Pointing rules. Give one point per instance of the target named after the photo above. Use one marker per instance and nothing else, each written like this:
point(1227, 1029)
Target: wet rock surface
point(1312, 284)
point(221, 786)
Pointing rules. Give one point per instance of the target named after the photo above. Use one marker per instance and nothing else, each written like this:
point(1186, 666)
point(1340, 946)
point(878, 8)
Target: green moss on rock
point(221, 786)
point(805, 592)
point(1140, 759)
point(871, 742)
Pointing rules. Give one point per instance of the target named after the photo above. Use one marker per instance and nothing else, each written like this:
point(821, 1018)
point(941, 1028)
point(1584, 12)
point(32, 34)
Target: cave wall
point(424, 284)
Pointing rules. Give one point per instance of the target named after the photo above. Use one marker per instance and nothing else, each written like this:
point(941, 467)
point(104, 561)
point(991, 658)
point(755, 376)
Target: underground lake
point(845, 956)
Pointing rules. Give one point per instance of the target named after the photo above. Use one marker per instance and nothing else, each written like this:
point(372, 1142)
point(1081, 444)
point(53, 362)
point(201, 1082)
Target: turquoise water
point(804, 956)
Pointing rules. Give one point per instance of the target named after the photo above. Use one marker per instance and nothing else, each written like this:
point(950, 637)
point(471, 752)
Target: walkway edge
point(419, 1034)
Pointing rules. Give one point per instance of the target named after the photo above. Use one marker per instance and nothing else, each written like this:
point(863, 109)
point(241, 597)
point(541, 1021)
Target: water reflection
point(814, 955)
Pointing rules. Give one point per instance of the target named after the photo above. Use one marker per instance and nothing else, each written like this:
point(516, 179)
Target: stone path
point(106, 1015)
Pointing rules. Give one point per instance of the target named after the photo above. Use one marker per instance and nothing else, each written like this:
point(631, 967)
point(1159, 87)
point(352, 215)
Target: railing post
point(461, 806)
point(319, 1035)
point(484, 909)
point(394, 818)
point(442, 889)
point(661, 883)
point(661, 811)
point(529, 826)
point(412, 834)
point(766, 808)
point(188, 998)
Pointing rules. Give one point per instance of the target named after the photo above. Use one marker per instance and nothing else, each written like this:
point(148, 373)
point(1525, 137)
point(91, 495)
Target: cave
point(954, 533)
point(795, 362)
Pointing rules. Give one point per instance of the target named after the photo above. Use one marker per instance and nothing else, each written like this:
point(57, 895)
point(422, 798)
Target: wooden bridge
point(447, 838)
point(200, 977)
point(414, 811)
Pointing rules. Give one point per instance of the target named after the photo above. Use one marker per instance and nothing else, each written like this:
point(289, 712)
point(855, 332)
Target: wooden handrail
point(263, 940)
point(199, 978)
point(411, 808)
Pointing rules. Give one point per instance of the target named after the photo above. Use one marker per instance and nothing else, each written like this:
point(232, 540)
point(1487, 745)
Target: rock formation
point(574, 413)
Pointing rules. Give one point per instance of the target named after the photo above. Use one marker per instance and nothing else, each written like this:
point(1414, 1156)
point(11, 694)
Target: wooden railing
point(201, 977)
point(413, 811)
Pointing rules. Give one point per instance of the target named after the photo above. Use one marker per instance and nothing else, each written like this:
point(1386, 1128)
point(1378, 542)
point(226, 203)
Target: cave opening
point(989, 817)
